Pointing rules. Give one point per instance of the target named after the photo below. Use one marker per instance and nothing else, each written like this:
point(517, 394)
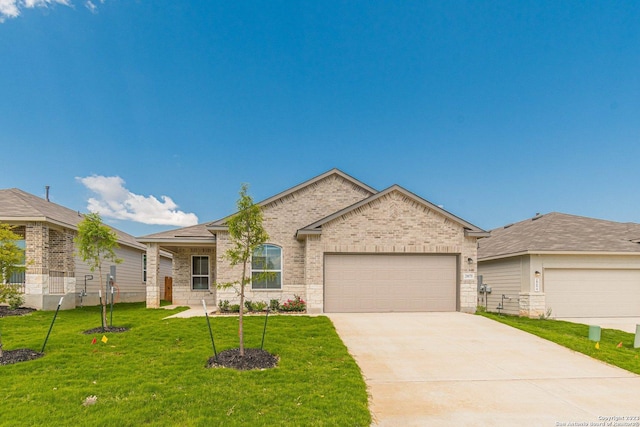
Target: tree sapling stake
point(264, 331)
point(213, 344)
point(51, 327)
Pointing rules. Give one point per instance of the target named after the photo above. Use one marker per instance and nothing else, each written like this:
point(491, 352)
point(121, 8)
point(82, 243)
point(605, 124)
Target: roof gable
point(18, 205)
point(220, 224)
point(316, 227)
point(559, 232)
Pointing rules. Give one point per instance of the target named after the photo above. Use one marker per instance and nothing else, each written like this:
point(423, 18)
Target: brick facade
point(391, 224)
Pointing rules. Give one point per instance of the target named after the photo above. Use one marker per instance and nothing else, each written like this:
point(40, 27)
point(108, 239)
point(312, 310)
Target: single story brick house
point(339, 244)
point(53, 269)
point(562, 265)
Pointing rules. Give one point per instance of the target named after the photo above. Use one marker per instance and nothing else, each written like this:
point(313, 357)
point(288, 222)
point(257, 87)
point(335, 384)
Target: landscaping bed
point(20, 355)
point(6, 311)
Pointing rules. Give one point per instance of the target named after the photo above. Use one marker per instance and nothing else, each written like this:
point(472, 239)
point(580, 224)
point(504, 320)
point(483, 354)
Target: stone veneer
point(532, 304)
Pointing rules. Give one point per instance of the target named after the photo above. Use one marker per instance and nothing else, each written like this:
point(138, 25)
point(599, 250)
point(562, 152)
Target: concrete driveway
point(449, 369)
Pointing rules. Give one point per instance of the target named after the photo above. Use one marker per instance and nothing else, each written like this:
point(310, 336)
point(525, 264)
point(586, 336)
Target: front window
point(266, 267)
point(17, 277)
point(200, 273)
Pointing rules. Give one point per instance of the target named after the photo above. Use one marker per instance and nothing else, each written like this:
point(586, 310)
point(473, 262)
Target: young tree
point(246, 234)
point(97, 243)
point(11, 255)
point(11, 261)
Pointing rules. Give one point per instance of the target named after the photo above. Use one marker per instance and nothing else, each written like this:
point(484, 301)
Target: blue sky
point(157, 111)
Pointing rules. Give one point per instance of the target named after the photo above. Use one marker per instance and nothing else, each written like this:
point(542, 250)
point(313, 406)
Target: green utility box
point(636, 343)
point(594, 333)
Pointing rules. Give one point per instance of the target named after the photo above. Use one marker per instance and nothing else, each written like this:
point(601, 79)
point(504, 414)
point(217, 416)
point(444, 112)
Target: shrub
point(274, 305)
point(248, 305)
point(224, 306)
point(297, 304)
point(10, 295)
point(234, 308)
point(259, 306)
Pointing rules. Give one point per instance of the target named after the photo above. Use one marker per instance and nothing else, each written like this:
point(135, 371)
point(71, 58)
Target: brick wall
point(282, 218)
point(393, 223)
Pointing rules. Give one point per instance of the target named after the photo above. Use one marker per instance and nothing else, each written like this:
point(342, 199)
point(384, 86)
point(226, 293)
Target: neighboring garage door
point(592, 293)
point(385, 283)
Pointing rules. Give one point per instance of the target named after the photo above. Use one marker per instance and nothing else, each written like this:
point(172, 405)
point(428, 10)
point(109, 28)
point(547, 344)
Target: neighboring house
point(340, 245)
point(53, 269)
point(562, 265)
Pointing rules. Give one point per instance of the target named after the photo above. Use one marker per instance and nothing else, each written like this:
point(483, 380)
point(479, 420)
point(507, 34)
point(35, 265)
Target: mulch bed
point(98, 330)
point(254, 358)
point(5, 311)
point(20, 355)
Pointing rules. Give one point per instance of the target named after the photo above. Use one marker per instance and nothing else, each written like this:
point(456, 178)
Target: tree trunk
point(103, 304)
point(240, 319)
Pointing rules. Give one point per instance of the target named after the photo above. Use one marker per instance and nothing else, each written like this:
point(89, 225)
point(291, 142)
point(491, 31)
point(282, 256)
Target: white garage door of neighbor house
point(389, 283)
point(592, 292)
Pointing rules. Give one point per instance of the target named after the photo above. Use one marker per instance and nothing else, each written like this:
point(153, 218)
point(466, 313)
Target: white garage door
point(592, 293)
point(385, 283)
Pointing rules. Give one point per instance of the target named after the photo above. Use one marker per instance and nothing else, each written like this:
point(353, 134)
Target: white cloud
point(13, 8)
point(115, 201)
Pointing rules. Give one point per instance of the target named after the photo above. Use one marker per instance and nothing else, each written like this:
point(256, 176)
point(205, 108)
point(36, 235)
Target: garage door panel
point(382, 283)
point(592, 292)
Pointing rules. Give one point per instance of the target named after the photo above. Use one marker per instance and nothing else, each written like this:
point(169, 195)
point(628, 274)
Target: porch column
point(153, 274)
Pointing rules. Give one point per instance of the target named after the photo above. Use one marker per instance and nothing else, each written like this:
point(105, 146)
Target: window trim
point(281, 270)
point(208, 275)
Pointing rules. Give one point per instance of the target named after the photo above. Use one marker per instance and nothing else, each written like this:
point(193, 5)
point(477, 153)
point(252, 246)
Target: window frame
point(208, 275)
point(21, 273)
point(265, 270)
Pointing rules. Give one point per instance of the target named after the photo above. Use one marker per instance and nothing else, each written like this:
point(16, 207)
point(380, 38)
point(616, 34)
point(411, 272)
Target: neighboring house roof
point(19, 206)
point(316, 227)
point(559, 232)
point(199, 233)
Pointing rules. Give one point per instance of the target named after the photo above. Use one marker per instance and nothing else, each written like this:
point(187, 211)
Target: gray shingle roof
point(558, 232)
point(18, 205)
point(199, 231)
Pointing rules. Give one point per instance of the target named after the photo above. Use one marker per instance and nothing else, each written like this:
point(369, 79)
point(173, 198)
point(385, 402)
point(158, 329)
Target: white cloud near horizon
point(13, 8)
point(115, 201)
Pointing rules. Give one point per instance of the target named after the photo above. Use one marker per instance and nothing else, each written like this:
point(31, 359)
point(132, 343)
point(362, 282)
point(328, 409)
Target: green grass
point(576, 337)
point(154, 374)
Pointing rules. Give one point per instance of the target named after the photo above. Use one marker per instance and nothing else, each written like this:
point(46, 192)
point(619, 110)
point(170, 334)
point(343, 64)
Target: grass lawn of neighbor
point(576, 337)
point(155, 373)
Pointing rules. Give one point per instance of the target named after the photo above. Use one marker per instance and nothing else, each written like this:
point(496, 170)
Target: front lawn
point(154, 374)
point(576, 337)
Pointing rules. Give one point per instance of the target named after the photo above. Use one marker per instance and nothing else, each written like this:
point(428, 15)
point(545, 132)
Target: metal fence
point(17, 280)
point(56, 282)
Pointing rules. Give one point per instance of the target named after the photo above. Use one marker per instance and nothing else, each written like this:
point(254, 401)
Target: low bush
point(223, 306)
point(10, 295)
point(274, 305)
point(296, 304)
